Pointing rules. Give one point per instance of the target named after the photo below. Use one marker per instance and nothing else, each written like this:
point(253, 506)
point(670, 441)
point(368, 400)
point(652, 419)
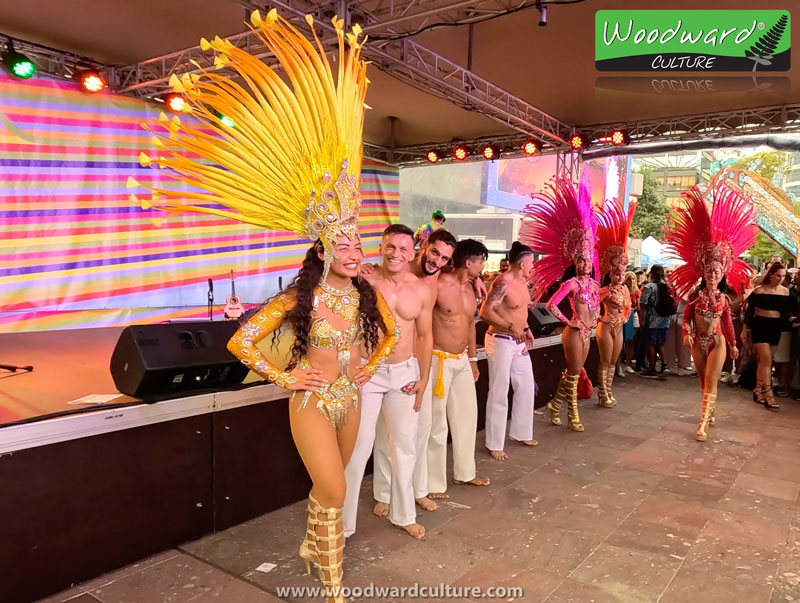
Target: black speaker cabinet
point(164, 359)
point(541, 322)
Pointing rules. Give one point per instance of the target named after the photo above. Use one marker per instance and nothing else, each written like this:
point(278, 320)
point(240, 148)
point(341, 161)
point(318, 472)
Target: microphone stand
point(210, 300)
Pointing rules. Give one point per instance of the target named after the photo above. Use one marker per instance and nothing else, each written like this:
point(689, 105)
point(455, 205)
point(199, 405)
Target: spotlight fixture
point(578, 142)
point(433, 156)
point(461, 152)
point(490, 152)
point(91, 81)
point(542, 14)
point(530, 147)
point(17, 63)
point(175, 102)
point(619, 138)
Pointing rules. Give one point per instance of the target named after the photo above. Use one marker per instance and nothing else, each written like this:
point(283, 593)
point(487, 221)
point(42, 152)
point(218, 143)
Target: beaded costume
point(291, 162)
point(561, 224)
point(613, 226)
point(704, 242)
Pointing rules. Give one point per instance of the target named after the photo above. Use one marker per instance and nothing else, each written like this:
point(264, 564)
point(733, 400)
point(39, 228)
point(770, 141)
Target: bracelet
point(473, 359)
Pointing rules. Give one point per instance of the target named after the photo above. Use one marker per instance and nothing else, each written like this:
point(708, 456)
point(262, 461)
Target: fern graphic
point(761, 52)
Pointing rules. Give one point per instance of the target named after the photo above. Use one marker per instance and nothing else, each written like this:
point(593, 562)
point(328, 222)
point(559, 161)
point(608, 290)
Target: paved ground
point(633, 509)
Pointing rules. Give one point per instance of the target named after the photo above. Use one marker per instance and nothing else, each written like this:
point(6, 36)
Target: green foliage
point(651, 212)
point(768, 163)
point(765, 247)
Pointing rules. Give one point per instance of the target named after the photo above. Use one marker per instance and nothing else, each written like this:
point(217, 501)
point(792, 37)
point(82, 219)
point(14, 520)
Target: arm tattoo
point(496, 295)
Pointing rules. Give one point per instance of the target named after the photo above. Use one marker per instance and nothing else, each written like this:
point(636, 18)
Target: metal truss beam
point(56, 62)
point(403, 59)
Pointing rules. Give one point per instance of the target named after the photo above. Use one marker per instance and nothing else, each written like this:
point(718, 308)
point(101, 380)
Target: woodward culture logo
point(693, 40)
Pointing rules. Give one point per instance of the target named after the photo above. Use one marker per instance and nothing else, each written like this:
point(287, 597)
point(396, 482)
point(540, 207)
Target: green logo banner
point(693, 40)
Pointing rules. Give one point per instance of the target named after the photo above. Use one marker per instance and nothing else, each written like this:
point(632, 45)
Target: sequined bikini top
point(323, 336)
point(708, 307)
point(587, 293)
point(616, 295)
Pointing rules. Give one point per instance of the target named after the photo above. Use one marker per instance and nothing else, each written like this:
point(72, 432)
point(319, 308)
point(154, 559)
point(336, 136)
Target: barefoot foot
point(426, 503)
point(381, 509)
point(525, 442)
point(438, 495)
point(475, 481)
point(415, 530)
point(498, 455)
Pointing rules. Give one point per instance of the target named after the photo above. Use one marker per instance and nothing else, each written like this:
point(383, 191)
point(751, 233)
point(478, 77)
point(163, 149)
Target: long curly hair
point(301, 289)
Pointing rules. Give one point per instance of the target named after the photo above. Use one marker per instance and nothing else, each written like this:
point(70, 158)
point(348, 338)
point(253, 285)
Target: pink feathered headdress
point(559, 223)
point(613, 226)
point(699, 238)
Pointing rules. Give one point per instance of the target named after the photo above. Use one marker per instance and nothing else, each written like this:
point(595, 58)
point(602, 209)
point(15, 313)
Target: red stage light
point(461, 152)
point(91, 81)
point(619, 138)
point(530, 147)
point(578, 142)
point(175, 102)
point(490, 152)
point(432, 156)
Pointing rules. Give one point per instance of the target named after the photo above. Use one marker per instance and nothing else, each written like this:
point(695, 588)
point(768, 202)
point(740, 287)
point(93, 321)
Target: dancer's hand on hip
point(361, 377)
point(306, 379)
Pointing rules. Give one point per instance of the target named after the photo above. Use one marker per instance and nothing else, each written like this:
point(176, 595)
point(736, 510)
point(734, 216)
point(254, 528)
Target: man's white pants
point(383, 392)
point(382, 465)
point(458, 406)
point(508, 362)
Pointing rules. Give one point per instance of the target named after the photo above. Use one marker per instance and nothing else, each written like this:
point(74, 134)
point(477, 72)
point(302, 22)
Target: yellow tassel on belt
point(438, 386)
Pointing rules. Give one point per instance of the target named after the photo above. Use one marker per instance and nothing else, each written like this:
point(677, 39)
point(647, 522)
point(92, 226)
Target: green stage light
point(17, 63)
point(227, 121)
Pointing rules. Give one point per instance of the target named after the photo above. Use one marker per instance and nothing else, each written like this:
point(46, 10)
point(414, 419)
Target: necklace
point(344, 302)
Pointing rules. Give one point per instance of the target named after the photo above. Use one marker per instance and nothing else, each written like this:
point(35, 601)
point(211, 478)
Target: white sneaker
point(724, 377)
point(685, 372)
point(620, 372)
point(629, 370)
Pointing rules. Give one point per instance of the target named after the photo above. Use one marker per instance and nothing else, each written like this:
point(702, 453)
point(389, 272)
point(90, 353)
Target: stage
point(95, 487)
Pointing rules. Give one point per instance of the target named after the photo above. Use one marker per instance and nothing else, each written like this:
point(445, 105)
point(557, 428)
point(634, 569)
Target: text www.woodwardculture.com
point(415, 591)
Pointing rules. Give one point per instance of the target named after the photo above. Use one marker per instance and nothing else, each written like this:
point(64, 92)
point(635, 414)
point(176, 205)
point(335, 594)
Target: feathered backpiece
point(613, 226)
point(559, 223)
point(288, 156)
point(700, 239)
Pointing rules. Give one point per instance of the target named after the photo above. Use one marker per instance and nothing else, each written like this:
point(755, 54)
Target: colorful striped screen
point(76, 253)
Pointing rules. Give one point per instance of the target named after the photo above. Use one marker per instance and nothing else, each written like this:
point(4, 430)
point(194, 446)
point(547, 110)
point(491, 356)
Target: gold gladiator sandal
point(603, 397)
point(329, 545)
point(709, 401)
point(554, 405)
point(609, 383)
point(308, 548)
point(572, 398)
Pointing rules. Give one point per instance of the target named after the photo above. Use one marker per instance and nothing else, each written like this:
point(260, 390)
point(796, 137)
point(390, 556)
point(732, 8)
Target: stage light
point(619, 138)
point(578, 142)
point(227, 121)
point(91, 81)
point(490, 152)
point(530, 147)
point(175, 102)
point(432, 156)
point(17, 63)
point(461, 152)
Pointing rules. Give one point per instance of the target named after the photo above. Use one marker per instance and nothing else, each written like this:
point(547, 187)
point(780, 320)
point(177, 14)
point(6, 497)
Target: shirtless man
point(507, 343)
point(454, 371)
point(395, 391)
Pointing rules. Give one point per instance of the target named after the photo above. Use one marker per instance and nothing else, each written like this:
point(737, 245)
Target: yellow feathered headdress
point(292, 158)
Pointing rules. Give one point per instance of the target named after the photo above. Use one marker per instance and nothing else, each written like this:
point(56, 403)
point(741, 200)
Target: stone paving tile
point(537, 584)
point(725, 557)
point(629, 574)
point(746, 529)
point(670, 541)
point(575, 591)
point(691, 585)
point(175, 580)
point(767, 486)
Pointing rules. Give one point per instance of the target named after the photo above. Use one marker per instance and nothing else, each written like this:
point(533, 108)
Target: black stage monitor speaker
point(154, 360)
point(541, 322)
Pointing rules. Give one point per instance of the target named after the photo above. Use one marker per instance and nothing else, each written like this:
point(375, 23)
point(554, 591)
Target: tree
point(765, 247)
point(766, 163)
point(651, 212)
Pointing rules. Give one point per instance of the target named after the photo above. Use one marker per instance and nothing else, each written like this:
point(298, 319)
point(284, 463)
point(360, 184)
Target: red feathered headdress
point(559, 223)
point(613, 226)
point(699, 238)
